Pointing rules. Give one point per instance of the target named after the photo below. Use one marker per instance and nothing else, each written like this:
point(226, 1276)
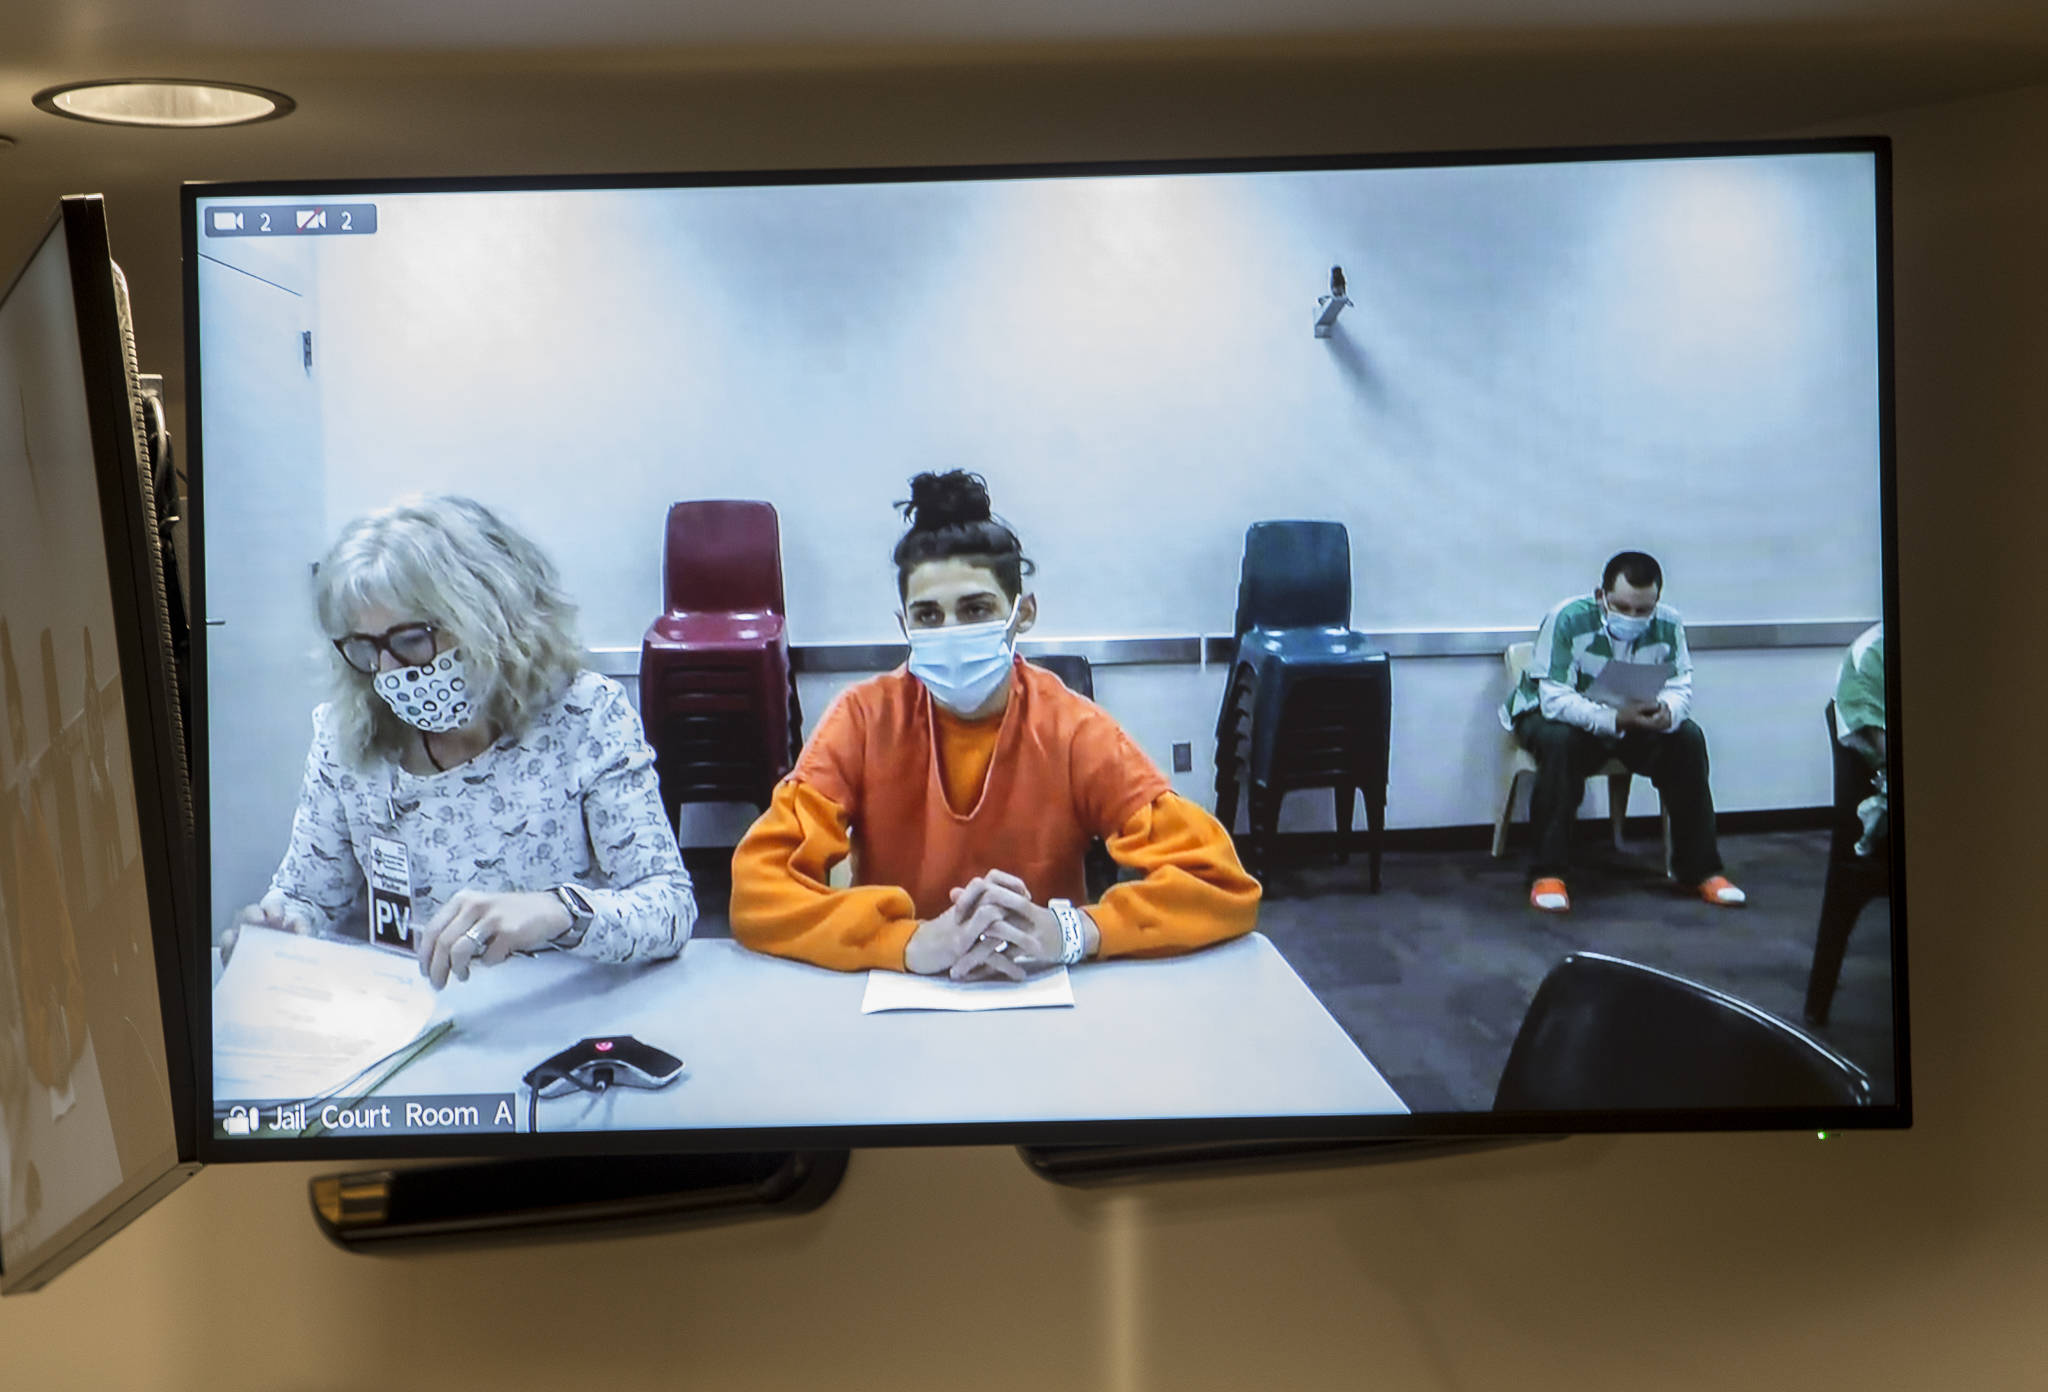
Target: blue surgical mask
point(961, 665)
point(1623, 628)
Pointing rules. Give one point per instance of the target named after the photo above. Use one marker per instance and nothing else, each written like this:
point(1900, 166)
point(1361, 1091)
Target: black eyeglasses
point(412, 644)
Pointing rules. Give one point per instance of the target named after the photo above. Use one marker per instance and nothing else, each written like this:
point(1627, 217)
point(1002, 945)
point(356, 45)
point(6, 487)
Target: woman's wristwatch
point(1073, 931)
point(581, 911)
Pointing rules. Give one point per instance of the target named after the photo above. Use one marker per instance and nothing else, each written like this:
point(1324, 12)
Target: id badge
point(390, 894)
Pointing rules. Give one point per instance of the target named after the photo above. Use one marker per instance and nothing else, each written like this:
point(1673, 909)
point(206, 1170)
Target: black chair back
point(1294, 575)
point(1608, 1035)
point(1098, 867)
point(1074, 672)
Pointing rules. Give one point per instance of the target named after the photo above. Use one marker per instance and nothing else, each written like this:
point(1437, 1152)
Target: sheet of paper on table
point(895, 990)
point(297, 1017)
point(1629, 683)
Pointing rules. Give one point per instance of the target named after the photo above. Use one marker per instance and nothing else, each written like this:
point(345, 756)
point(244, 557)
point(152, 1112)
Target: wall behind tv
point(1907, 1260)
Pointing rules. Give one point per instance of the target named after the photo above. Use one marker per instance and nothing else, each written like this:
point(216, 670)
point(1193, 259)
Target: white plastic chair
point(1520, 761)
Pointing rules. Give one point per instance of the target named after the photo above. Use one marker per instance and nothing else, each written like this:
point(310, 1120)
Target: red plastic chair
point(717, 696)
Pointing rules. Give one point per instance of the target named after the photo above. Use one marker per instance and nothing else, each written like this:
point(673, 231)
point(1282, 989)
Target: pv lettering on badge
point(390, 881)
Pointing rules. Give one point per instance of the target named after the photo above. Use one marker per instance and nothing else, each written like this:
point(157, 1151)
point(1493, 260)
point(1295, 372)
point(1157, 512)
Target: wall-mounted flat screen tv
point(1387, 647)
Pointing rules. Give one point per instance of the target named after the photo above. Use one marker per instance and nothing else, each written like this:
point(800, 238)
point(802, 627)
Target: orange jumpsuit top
point(925, 801)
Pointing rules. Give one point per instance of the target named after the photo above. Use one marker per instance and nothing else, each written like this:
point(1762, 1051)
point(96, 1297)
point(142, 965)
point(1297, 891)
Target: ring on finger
point(476, 936)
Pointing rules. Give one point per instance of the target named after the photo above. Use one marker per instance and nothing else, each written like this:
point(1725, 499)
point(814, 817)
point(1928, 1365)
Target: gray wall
point(1683, 349)
point(1543, 365)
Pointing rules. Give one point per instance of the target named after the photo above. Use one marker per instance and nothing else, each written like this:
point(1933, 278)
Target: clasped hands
point(1645, 717)
point(993, 931)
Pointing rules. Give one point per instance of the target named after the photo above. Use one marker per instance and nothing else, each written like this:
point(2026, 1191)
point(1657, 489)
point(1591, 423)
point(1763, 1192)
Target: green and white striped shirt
point(1859, 690)
point(1573, 644)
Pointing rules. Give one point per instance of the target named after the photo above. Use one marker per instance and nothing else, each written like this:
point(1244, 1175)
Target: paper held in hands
point(1623, 684)
point(297, 1017)
point(895, 990)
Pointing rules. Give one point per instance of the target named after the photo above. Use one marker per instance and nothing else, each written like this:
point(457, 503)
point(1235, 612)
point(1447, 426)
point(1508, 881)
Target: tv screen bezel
point(1167, 1131)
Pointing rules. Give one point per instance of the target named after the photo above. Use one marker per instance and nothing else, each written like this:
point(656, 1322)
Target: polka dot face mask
point(433, 697)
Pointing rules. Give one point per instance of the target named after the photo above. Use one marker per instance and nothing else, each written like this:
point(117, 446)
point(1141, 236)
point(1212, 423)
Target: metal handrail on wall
point(1203, 649)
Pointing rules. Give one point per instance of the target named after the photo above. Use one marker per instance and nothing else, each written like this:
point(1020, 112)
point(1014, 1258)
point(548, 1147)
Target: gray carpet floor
point(1432, 975)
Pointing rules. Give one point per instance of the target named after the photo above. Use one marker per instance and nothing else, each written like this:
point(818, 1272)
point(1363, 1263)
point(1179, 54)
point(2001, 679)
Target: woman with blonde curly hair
point(467, 754)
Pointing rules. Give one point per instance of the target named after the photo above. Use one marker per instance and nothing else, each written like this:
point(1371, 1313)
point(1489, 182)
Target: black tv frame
point(136, 577)
point(1036, 1137)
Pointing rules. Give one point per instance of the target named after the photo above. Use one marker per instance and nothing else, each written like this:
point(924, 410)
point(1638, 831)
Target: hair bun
point(940, 500)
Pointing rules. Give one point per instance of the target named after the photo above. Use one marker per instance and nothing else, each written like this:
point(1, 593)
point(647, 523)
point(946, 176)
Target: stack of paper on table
point(894, 990)
point(296, 1017)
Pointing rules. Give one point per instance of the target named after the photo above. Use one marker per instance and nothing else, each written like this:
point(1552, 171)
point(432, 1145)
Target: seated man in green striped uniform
point(1859, 725)
point(1571, 734)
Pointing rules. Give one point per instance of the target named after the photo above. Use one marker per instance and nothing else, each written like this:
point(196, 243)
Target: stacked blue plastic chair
point(1309, 701)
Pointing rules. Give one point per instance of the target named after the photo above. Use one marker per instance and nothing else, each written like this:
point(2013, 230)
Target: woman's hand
point(269, 914)
point(475, 927)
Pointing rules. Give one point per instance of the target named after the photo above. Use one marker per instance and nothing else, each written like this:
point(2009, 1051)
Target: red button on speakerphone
point(604, 1046)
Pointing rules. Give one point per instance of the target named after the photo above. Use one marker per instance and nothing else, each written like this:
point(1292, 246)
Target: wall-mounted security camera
point(1329, 306)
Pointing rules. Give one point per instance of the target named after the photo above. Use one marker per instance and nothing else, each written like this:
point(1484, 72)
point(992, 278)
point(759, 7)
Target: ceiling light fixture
point(177, 102)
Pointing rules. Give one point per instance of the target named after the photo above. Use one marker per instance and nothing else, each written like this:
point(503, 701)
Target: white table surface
point(1227, 1031)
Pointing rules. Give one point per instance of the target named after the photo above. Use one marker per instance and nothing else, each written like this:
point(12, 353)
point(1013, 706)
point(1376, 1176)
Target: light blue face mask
point(961, 665)
point(1623, 628)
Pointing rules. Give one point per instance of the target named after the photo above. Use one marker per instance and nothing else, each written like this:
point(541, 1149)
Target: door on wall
point(262, 491)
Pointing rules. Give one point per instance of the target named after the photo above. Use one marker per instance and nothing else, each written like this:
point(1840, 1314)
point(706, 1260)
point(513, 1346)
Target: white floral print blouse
point(573, 800)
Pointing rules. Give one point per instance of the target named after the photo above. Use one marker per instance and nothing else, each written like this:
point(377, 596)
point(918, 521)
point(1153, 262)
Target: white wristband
point(1073, 937)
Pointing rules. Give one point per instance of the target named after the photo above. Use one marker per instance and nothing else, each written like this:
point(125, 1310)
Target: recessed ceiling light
point(6, 143)
point(163, 101)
